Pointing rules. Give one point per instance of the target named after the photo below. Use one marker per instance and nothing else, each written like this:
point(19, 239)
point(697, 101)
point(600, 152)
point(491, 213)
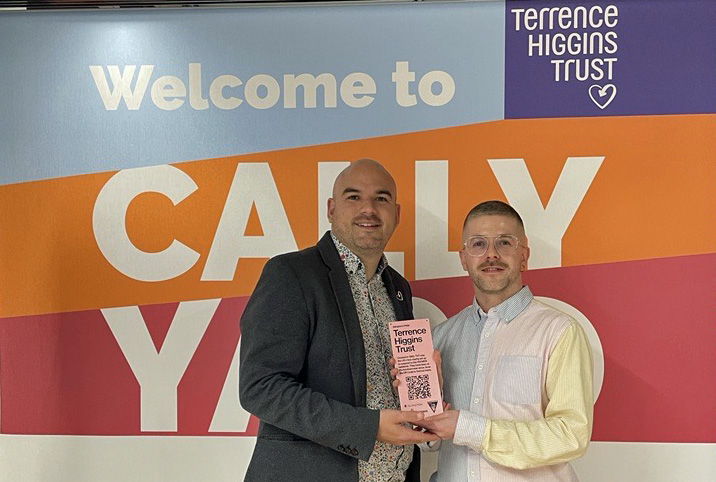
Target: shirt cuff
point(470, 430)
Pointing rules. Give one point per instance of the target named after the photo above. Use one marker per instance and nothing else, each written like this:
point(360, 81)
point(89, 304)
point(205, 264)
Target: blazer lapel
point(349, 316)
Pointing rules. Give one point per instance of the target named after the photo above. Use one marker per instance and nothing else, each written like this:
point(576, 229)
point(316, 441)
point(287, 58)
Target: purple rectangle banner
point(626, 57)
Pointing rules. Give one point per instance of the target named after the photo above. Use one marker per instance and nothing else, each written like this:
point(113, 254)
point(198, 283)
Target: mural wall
point(151, 161)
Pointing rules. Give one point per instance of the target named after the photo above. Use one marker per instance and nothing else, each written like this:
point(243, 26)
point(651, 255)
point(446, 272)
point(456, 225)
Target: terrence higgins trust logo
point(578, 42)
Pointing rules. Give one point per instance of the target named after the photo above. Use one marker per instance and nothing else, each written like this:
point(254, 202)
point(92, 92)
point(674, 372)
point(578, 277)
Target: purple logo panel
point(628, 57)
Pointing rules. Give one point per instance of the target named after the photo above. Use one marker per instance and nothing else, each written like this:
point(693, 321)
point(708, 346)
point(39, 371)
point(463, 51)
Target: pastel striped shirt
point(521, 376)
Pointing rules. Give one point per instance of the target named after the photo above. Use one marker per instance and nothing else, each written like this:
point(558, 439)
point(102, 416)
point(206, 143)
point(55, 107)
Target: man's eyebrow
point(385, 192)
point(354, 190)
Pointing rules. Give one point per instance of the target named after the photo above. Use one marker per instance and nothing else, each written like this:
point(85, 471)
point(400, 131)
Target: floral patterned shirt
point(387, 463)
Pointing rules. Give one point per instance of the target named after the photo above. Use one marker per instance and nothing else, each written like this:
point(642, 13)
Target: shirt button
point(472, 474)
point(479, 367)
point(487, 335)
point(477, 400)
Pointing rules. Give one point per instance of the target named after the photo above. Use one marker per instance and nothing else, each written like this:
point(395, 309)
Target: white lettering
point(357, 90)
point(402, 77)
point(611, 16)
point(558, 44)
point(531, 19)
point(159, 372)
point(108, 223)
point(166, 92)
point(310, 86)
point(262, 91)
point(425, 309)
point(595, 23)
point(251, 91)
point(583, 69)
point(253, 184)
point(121, 84)
point(545, 226)
point(229, 415)
point(550, 18)
point(535, 41)
point(195, 98)
point(447, 88)
point(433, 259)
point(216, 92)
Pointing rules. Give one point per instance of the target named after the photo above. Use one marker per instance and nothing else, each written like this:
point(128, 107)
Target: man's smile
point(368, 224)
point(493, 268)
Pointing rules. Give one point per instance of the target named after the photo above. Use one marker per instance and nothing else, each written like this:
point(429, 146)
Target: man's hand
point(442, 425)
point(392, 428)
point(394, 373)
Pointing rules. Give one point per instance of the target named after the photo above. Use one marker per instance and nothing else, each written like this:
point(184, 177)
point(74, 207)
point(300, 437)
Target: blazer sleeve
point(276, 333)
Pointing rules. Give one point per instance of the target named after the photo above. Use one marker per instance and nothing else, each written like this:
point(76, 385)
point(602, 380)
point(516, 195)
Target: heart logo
point(603, 96)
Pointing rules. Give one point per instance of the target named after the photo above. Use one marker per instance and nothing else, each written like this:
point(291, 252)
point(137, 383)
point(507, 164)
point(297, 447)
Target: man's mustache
point(492, 265)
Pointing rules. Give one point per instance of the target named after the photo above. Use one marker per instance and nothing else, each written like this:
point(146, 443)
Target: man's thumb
point(412, 417)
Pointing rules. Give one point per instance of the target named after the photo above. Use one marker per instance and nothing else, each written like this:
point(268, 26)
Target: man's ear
point(463, 259)
point(397, 214)
point(331, 208)
point(525, 258)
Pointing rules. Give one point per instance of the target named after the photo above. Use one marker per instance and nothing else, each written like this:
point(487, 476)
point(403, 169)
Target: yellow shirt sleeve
point(565, 430)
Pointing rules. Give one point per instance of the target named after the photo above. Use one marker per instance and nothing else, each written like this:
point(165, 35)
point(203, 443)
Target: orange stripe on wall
point(652, 197)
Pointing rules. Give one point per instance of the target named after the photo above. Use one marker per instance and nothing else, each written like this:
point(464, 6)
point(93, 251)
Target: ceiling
point(110, 4)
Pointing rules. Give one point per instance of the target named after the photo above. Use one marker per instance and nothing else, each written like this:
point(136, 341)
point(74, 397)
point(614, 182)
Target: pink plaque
point(412, 345)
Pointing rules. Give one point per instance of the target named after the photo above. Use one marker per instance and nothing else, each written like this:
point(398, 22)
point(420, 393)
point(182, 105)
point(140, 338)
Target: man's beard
point(492, 286)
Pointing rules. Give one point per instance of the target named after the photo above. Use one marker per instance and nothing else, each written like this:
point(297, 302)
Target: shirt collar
point(508, 309)
point(352, 262)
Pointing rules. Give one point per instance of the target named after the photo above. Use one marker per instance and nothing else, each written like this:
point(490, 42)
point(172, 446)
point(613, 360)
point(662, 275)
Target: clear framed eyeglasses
point(505, 244)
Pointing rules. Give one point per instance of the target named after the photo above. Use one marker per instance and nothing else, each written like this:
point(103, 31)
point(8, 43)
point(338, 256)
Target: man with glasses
point(517, 372)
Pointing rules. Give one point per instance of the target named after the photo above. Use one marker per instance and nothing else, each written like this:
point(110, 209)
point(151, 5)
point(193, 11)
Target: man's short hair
point(493, 208)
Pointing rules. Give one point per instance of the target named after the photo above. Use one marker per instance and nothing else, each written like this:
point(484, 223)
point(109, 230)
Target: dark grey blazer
point(302, 369)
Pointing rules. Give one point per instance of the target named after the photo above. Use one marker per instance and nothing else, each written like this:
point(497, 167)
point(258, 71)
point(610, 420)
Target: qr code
point(418, 387)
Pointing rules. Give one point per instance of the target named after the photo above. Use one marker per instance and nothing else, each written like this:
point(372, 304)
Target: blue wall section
point(50, 102)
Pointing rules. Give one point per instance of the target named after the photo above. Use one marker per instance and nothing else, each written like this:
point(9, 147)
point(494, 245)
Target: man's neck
point(487, 301)
point(370, 263)
point(370, 258)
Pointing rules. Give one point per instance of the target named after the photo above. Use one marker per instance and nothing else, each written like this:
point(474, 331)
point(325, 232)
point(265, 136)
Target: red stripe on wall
point(65, 373)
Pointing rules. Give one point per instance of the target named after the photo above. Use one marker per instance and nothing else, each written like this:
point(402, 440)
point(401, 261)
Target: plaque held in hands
point(419, 388)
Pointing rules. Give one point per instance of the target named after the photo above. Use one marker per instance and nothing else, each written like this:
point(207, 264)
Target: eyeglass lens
point(478, 245)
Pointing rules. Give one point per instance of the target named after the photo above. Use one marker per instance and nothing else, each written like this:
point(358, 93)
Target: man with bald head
point(315, 349)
